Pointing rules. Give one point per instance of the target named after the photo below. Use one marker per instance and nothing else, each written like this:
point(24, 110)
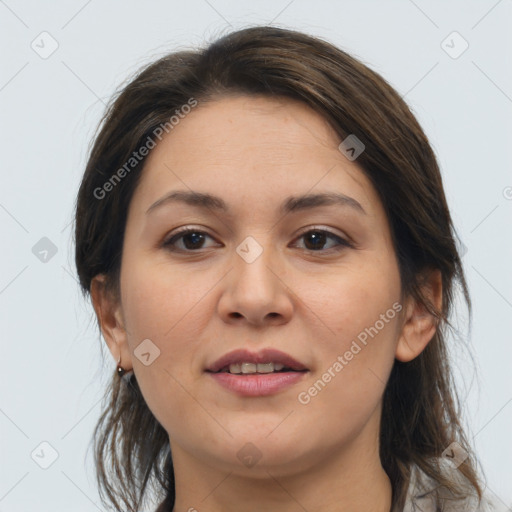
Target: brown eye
point(315, 240)
point(192, 239)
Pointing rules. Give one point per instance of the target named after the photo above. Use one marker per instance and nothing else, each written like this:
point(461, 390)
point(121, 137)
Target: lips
point(268, 355)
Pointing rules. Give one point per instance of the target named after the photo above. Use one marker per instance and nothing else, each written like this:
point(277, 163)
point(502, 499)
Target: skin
point(254, 153)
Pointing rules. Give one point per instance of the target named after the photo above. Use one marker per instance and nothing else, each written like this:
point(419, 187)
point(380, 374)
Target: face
point(319, 282)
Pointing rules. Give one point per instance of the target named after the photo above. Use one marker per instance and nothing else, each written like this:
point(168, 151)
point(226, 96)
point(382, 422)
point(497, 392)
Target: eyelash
point(342, 243)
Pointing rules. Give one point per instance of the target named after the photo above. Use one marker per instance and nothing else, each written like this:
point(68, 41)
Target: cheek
point(159, 299)
point(355, 298)
point(361, 309)
point(165, 308)
point(170, 307)
point(354, 364)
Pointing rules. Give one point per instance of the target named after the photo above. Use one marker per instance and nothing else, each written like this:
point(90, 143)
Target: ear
point(109, 313)
point(419, 325)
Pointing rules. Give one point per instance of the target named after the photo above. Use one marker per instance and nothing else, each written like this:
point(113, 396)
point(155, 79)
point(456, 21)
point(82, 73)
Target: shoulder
point(426, 495)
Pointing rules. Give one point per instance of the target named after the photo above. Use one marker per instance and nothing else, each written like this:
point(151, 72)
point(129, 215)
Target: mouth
point(250, 374)
point(244, 362)
point(256, 369)
point(257, 384)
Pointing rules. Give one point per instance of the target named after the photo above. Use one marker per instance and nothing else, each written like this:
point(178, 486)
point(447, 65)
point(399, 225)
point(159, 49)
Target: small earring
point(120, 370)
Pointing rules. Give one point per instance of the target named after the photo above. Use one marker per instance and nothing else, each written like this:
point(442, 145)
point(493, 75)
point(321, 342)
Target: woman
point(264, 234)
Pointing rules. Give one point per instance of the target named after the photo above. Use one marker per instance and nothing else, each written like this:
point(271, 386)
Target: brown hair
point(420, 405)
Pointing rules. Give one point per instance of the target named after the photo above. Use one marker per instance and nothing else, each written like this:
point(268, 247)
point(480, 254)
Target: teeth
point(234, 368)
point(249, 368)
point(255, 368)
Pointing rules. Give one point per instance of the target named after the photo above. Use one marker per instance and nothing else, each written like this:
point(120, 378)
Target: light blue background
point(52, 374)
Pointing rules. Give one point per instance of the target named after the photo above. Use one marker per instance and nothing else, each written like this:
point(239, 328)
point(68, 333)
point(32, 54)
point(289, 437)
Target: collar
point(426, 495)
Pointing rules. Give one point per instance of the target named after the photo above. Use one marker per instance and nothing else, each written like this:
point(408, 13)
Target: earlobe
point(108, 313)
point(420, 325)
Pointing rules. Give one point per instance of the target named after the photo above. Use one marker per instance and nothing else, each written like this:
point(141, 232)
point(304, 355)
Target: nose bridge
point(253, 263)
point(254, 290)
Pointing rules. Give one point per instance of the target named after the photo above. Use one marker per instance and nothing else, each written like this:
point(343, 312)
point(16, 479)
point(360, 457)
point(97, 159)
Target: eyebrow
point(289, 205)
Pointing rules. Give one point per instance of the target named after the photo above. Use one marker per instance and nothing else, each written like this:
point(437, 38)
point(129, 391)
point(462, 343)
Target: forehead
point(268, 127)
point(252, 147)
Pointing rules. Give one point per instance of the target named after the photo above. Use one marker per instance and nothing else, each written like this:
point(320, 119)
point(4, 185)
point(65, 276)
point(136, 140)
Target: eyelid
point(185, 230)
point(344, 241)
point(324, 229)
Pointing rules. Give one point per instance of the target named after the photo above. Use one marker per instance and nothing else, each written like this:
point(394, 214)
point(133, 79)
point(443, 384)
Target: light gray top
point(425, 495)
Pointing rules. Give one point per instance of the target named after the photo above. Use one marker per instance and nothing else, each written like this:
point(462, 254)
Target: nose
point(254, 290)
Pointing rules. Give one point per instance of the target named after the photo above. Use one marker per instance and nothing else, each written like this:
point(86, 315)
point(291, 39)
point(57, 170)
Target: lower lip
point(258, 384)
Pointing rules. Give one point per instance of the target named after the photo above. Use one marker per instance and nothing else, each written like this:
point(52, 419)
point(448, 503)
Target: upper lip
point(267, 355)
